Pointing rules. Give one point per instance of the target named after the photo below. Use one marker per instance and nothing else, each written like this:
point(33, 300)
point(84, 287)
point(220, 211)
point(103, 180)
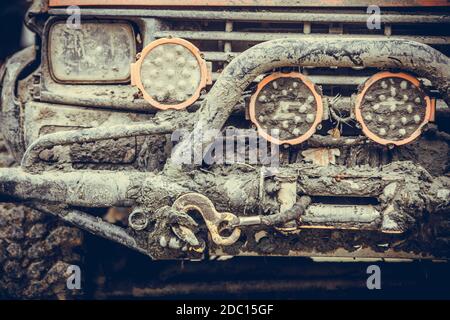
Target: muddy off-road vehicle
point(194, 129)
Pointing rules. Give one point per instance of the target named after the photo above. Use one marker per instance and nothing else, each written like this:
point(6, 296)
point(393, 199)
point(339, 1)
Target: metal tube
point(90, 135)
point(266, 36)
point(94, 225)
point(10, 106)
point(81, 188)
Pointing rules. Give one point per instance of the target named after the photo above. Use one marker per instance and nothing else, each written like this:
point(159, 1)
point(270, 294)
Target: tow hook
point(218, 222)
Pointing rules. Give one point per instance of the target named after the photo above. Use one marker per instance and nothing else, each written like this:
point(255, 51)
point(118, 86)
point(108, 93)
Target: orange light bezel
point(311, 87)
point(136, 73)
point(359, 99)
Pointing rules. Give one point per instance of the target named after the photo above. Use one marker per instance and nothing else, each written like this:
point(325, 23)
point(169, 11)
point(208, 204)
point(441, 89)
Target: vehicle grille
point(221, 35)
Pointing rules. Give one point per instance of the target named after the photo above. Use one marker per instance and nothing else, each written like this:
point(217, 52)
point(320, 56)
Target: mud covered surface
point(393, 108)
point(114, 272)
point(35, 252)
point(286, 106)
point(429, 239)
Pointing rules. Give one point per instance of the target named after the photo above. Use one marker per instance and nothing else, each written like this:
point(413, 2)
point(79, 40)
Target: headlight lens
point(286, 108)
point(392, 108)
point(97, 52)
point(170, 73)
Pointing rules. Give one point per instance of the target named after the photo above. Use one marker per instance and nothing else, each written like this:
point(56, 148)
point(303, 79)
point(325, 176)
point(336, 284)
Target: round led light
point(286, 108)
point(392, 108)
point(170, 73)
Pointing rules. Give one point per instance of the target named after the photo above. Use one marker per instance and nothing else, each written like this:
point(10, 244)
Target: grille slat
point(264, 15)
point(266, 36)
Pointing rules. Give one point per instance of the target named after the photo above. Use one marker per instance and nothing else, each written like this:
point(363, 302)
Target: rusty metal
point(214, 220)
point(250, 3)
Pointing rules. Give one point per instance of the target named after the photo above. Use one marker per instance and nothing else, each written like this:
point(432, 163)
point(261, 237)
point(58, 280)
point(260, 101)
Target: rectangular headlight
point(96, 52)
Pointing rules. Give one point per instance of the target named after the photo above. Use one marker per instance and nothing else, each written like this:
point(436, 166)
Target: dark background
point(11, 24)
